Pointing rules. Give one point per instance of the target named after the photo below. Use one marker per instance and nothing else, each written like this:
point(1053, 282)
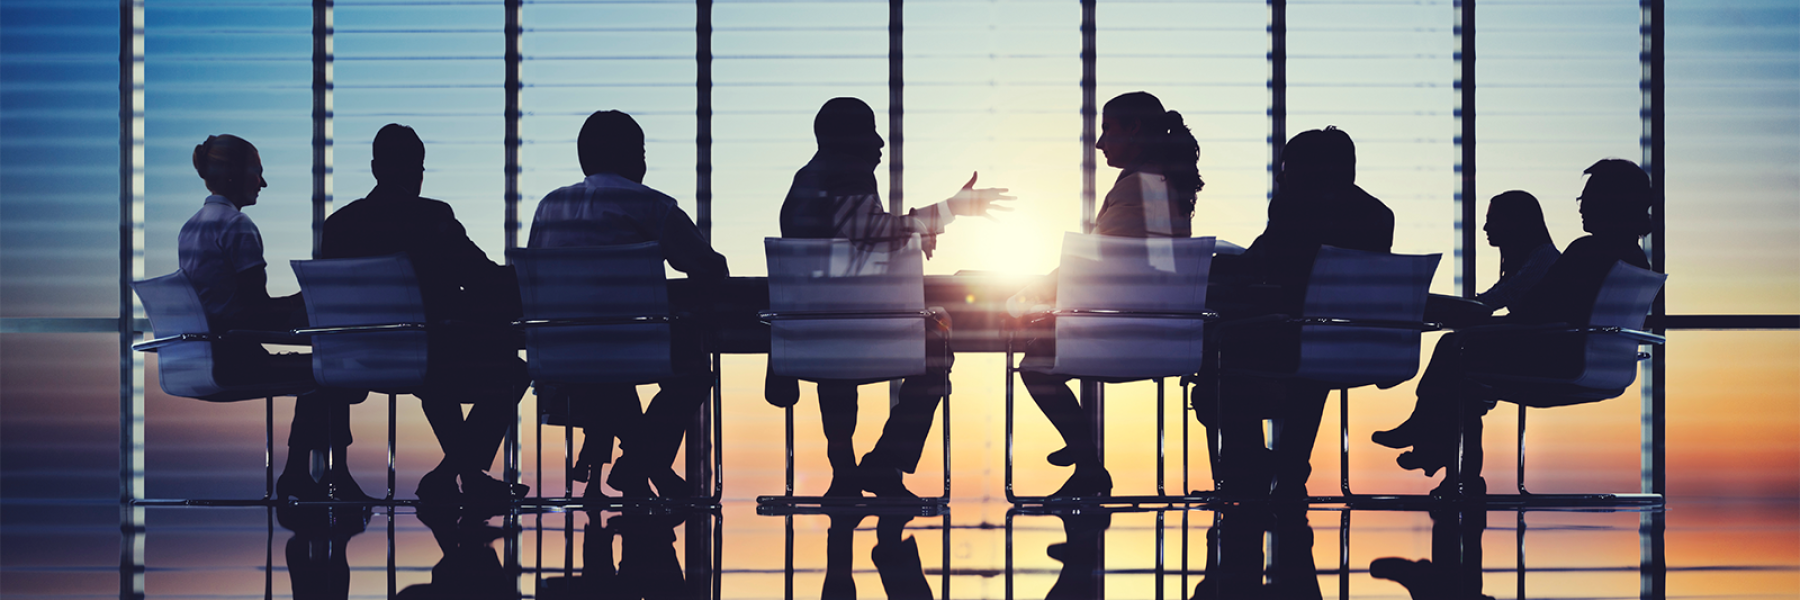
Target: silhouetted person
point(896, 558)
point(470, 569)
point(1316, 204)
point(834, 196)
point(1615, 210)
point(612, 207)
point(1234, 562)
point(1079, 553)
point(317, 566)
point(1454, 570)
point(473, 360)
point(221, 251)
point(1515, 225)
point(1153, 198)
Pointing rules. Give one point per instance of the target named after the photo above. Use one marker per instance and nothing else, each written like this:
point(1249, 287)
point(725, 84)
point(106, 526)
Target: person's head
point(847, 126)
point(1319, 157)
point(1616, 199)
point(612, 142)
point(399, 157)
point(1135, 132)
point(1515, 219)
point(231, 168)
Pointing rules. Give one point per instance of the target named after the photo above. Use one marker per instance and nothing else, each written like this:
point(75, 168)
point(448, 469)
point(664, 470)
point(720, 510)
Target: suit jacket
point(456, 279)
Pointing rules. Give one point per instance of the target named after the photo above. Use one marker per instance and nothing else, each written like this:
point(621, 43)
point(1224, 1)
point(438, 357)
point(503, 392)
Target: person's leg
point(1241, 462)
point(908, 425)
point(1059, 404)
point(1439, 381)
point(306, 435)
point(651, 446)
point(837, 413)
point(1295, 433)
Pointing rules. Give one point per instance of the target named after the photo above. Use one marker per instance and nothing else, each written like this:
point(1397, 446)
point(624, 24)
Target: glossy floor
point(976, 550)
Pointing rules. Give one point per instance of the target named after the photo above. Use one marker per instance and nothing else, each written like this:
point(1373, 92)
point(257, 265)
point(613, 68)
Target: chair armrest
point(632, 320)
point(1486, 331)
point(153, 344)
point(1250, 322)
point(1369, 323)
point(1089, 312)
point(286, 338)
point(378, 328)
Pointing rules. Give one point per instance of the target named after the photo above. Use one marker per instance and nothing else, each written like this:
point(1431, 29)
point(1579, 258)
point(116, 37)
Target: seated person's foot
point(1470, 488)
point(299, 485)
point(479, 488)
point(671, 486)
point(1062, 458)
point(1417, 460)
point(844, 485)
point(1088, 481)
point(629, 480)
point(1417, 576)
point(1397, 438)
point(585, 468)
point(343, 487)
point(884, 482)
point(439, 487)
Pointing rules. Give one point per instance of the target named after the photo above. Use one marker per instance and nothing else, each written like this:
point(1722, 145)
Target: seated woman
point(1153, 197)
point(1515, 225)
point(1615, 206)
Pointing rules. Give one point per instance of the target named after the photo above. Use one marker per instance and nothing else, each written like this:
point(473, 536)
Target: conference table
point(976, 303)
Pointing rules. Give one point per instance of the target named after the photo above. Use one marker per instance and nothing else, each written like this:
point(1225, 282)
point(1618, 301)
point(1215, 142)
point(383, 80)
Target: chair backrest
point(1373, 286)
point(840, 276)
point(378, 290)
point(1165, 276)
point(1624, 300)
point(182, 368)
point(595, 283)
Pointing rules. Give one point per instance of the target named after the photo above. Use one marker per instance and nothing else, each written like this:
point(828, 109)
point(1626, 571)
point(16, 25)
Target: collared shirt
point(606, 209)
point(834, 196)
point(215, 245)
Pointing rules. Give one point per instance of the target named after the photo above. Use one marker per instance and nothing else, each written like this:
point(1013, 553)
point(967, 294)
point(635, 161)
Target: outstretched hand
point(970, 201)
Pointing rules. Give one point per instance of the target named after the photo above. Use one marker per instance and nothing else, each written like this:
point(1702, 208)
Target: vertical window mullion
point(1466, 197)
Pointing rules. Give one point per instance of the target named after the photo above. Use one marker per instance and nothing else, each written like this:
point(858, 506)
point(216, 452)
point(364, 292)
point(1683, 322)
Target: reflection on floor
point(975, 550)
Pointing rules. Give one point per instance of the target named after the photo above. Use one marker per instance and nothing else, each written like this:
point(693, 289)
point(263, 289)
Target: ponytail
point(1179, 154)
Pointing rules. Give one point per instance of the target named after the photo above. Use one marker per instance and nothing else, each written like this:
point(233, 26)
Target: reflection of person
point(1615, 206)
point(1454, 570)
point(1317, 204)
point(648, 567)
point(457, 283)
point(221, 252)
point(1079, 553)
point(1234, 560)
point(317, 565)
point(834, 196)
point(896, 558)
point(470, 568)
point(611, 207)
point(1153, 197)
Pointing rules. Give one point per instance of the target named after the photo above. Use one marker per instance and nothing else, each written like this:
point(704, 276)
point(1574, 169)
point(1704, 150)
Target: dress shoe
point(1397, 438)
point(844, 485)
point(884, 482)
point(299, 485)
point(1087, 482)
point(482, 489)
point(1062, 458)
point(1471, 488)
point(628, 480)
point(439, 487)
point(1415, 460)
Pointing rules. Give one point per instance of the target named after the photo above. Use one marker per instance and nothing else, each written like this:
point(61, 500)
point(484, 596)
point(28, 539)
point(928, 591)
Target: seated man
point(221, 253)
point(834, 196)
point(612, 207)
point(1317, 204)
point(457, 282)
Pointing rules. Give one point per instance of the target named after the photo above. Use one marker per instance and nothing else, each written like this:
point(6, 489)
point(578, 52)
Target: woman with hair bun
point(1153, 197)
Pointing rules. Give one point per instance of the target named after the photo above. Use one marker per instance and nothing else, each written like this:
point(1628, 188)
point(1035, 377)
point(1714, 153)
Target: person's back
point(450, 267)
point(1319, 204)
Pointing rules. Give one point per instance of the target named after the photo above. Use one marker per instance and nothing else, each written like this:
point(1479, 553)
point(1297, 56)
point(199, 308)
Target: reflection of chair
point(1127, 309)
point(368, 328)
point(1360, 325)
point(1609, 357)
point(844, 311)
point(601, 315)
point(183, 343)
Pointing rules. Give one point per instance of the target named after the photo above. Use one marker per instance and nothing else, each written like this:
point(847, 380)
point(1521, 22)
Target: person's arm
point(1516, 284)
point(861, 216)
point(687, 250)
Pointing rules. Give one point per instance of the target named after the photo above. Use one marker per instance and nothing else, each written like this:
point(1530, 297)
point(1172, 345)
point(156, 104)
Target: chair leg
point(1344, 440)
point(569, 448)
point(1161, 444)
point(946, 418)
point(269, 448)
point(1186, 405)
point(1522, 450)
point(392, 415)
point(790, 451)
point(1010, 374)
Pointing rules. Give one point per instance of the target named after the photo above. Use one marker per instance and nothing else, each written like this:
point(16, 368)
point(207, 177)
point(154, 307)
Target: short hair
point(1617, 198)
point(222, 158)
point(398, 152)
point(610, 142)
point(1327, 152)
point(845, 122)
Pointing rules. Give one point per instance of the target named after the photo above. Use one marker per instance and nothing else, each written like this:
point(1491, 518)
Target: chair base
point(925, 507)
point(1361, 501)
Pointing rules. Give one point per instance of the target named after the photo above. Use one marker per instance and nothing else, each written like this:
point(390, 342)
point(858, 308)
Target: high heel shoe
point(1086, 482)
